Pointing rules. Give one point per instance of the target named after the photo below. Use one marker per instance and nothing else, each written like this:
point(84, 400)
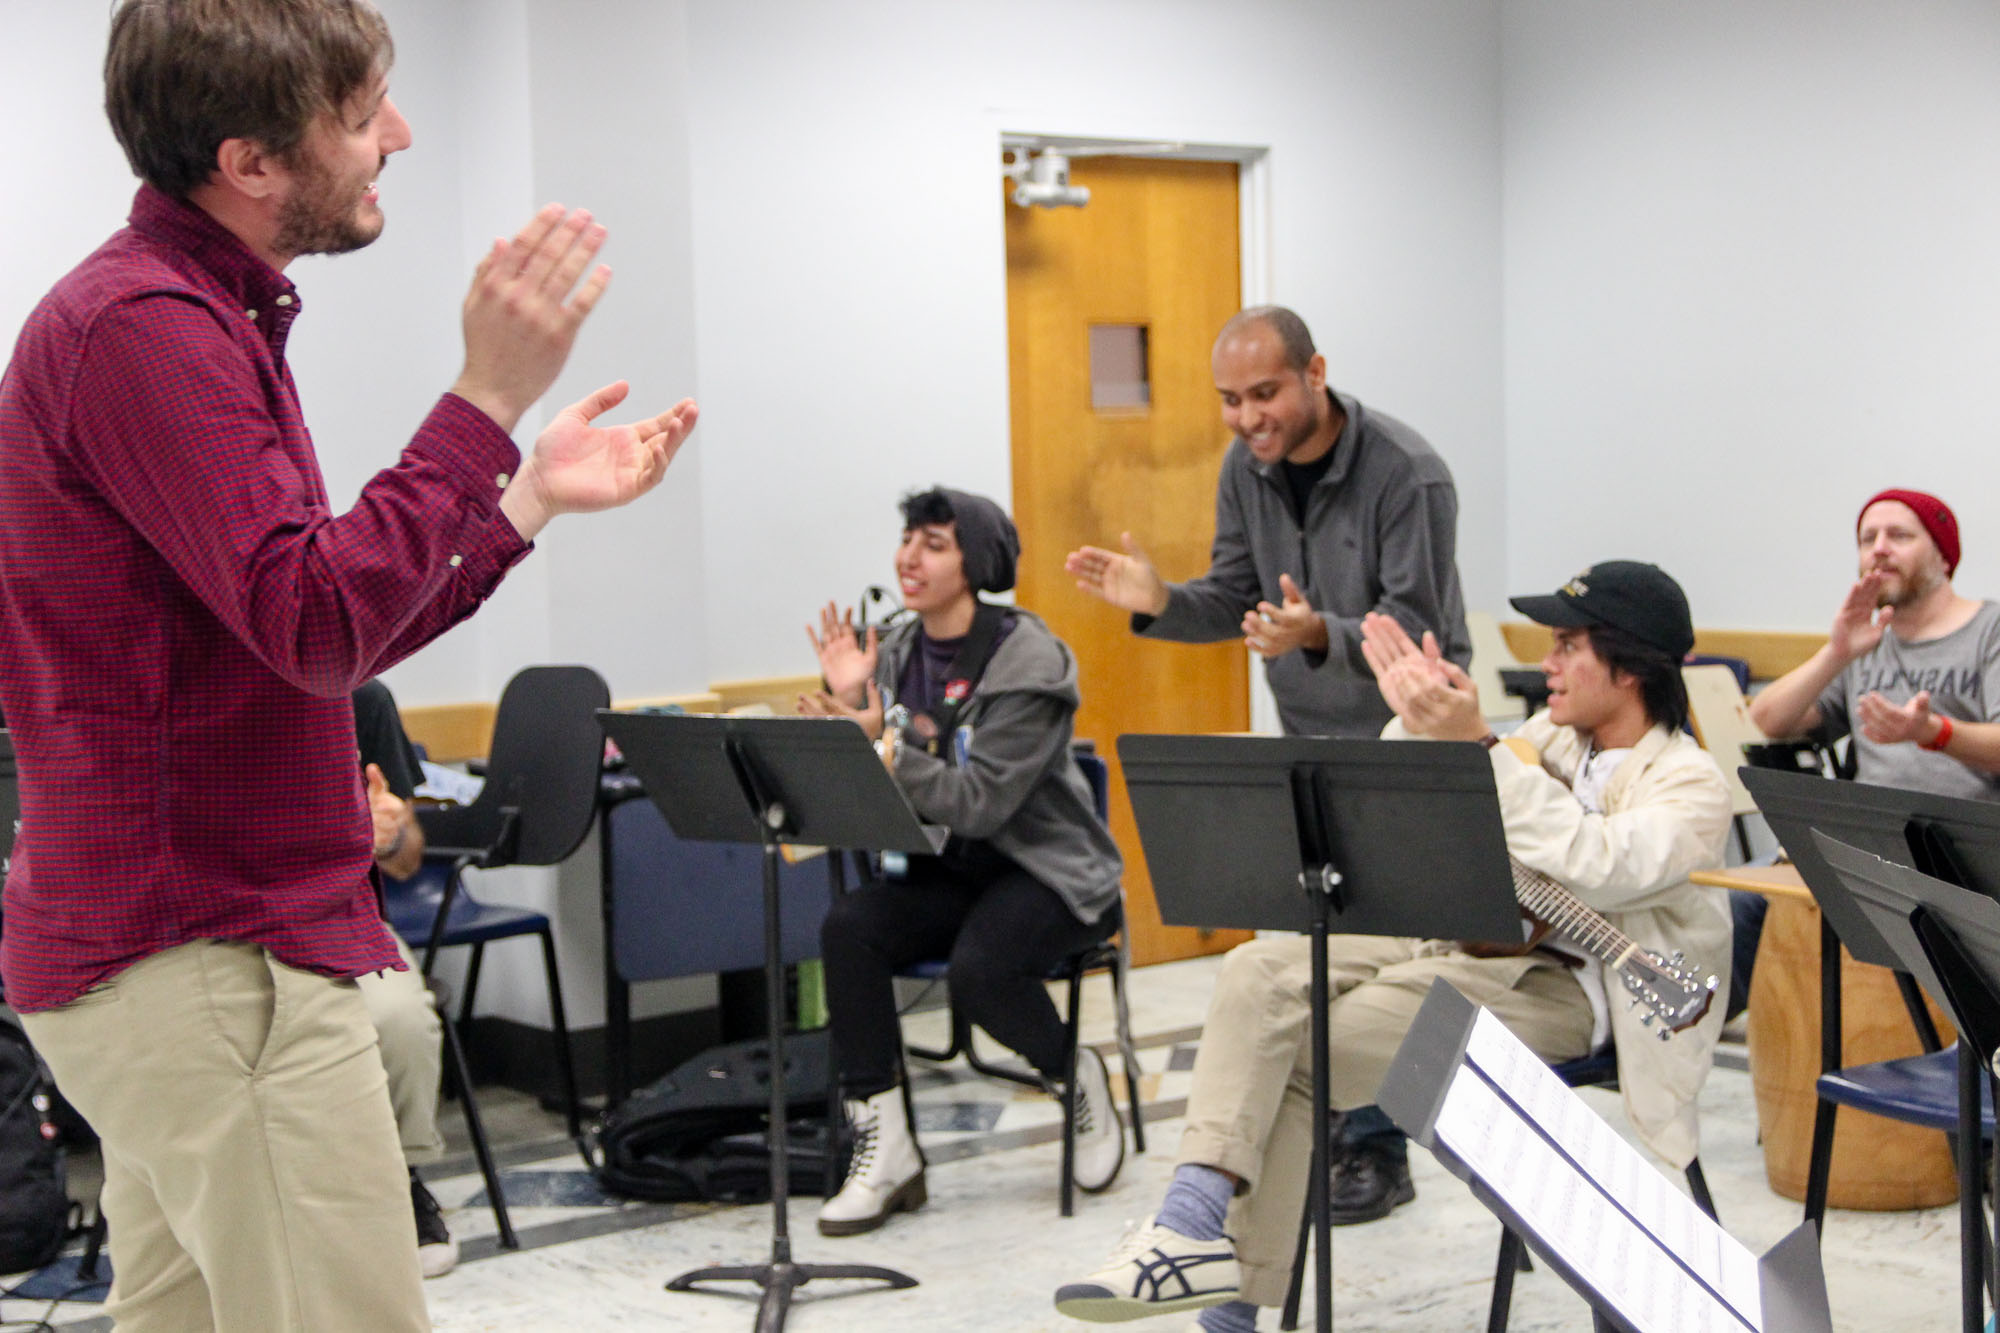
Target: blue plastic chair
point(1110, 955)
point(1917, 1089)
point(1738, 666)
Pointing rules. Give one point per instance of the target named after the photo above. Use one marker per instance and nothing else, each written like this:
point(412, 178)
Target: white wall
point(803, 206)
point(804, 209)
point(850, 266)
point(1732, 259)
point(1752, 276)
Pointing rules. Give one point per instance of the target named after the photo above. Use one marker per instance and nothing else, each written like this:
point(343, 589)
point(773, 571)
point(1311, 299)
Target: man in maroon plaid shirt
point(182, 619)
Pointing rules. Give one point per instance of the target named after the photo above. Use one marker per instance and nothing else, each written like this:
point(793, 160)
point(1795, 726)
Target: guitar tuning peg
point(1665, 1034)
point(1645, 1020)
point(1678, 958)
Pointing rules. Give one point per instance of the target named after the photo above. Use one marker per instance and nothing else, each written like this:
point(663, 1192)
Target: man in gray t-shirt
point(1911, 668)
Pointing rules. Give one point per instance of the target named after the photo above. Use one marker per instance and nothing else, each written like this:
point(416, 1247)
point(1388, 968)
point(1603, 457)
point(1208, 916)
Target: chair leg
point(1820, 1165)
point(477, 956)
point(962, 1043)
point(1698, 1188)
point(1071, 1033)
point(1512, 1252)
point(566, 1063)
point(959, 1043)
point(1127, 1052)
point(481, 1149)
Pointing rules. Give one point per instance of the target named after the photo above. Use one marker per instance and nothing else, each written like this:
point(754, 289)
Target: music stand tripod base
point(771, 781)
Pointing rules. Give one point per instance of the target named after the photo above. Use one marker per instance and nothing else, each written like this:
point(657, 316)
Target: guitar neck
point(1582, 925)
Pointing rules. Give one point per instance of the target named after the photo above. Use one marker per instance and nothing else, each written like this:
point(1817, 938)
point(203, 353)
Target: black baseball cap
point(1629, 595)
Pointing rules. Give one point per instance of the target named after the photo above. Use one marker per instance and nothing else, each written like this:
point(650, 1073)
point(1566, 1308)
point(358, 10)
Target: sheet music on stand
point(1617, 1230)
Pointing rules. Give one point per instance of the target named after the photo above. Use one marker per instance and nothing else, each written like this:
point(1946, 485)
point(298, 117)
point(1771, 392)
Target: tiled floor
point(990, 1248)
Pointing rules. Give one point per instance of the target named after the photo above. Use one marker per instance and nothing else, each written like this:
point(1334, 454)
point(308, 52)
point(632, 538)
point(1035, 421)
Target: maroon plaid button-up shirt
point(182, 618)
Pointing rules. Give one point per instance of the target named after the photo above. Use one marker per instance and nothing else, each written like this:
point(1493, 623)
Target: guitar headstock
point(1675, 992)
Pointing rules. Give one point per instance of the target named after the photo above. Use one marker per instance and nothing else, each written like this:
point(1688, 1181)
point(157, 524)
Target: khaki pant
point(412, 1041)
point(252, 1179)
point(1250, 1109)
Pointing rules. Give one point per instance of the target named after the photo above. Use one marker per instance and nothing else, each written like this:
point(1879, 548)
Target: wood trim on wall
point(779, 693)
point(452, 733)
point(706, 701)
point(1770, 653)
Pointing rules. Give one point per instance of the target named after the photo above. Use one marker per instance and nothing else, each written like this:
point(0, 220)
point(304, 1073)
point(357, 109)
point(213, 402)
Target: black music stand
point(1946, 837)
point(1378, 837)
point(1949, 939)
point(771, 781)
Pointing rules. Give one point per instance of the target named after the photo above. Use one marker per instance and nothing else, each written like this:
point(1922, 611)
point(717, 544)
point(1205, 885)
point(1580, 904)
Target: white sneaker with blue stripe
point(1154, 1271)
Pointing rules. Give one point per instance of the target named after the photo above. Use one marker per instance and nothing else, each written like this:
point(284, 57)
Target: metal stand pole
point(1320, 886)
point(780, 1277)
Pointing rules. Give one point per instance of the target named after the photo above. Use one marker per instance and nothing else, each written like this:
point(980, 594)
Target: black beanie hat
point(986, 540)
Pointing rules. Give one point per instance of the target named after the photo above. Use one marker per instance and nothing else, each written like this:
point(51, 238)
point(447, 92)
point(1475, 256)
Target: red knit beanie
point(1933, 513)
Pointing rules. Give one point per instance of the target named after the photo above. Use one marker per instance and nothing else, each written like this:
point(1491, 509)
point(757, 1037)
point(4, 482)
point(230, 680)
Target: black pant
point(1003, 931)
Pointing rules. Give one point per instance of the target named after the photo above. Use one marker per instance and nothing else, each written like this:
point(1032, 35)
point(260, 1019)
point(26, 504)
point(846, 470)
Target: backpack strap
point(931, 727)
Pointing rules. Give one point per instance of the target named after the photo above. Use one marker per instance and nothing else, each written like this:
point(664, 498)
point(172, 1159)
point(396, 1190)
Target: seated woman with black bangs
point(979, 701)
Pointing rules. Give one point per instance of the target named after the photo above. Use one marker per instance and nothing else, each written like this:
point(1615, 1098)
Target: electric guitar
point(1672, 990)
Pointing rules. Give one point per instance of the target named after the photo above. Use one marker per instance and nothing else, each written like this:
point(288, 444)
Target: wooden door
point(1155, 249)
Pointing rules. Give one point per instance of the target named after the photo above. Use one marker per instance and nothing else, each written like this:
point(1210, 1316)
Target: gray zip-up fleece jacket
point(1380, 534)
point(1018, 788)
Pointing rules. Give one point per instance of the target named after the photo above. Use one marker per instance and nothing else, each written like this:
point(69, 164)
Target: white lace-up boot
point(886, 1173)
point(1100, 1134)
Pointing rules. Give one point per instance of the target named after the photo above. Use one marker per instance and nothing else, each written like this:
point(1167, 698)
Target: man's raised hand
point(579, 467)
point(1272, 631)
point(1858, 624)
point(1127, 580)
point(1421, 685)
point(520, 318)
point(1886, 723)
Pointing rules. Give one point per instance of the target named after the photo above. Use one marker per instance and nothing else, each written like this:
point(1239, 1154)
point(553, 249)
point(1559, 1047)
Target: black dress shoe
point(1367, 1185)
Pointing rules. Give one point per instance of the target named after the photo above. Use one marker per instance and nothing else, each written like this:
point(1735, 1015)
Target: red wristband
point(1942, 739)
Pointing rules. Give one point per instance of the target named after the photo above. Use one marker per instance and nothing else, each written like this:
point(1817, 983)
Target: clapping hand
point(1272, 631)
point(578, 467)
point(1893, 724)
point(1860, 621)
point(820, 703)
point(520, 319)
point(385, 811)
point(1127, 580)
point(846, 658)
point(1426, 689)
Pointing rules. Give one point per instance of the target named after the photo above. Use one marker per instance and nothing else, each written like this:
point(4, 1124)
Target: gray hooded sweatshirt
point(1018, 788)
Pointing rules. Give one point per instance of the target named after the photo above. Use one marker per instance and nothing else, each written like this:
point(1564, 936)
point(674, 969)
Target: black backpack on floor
point(34, 1206)
point(698, 1133)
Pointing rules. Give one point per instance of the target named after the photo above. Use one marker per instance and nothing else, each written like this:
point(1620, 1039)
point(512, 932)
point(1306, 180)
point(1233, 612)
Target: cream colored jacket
point(1667, 814)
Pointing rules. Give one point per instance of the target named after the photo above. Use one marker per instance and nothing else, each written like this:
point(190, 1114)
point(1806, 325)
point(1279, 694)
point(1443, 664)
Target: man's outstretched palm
point(578, 467)
point(1126, 580)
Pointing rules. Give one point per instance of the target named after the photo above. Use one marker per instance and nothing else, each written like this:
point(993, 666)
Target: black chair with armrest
point(536, 808)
